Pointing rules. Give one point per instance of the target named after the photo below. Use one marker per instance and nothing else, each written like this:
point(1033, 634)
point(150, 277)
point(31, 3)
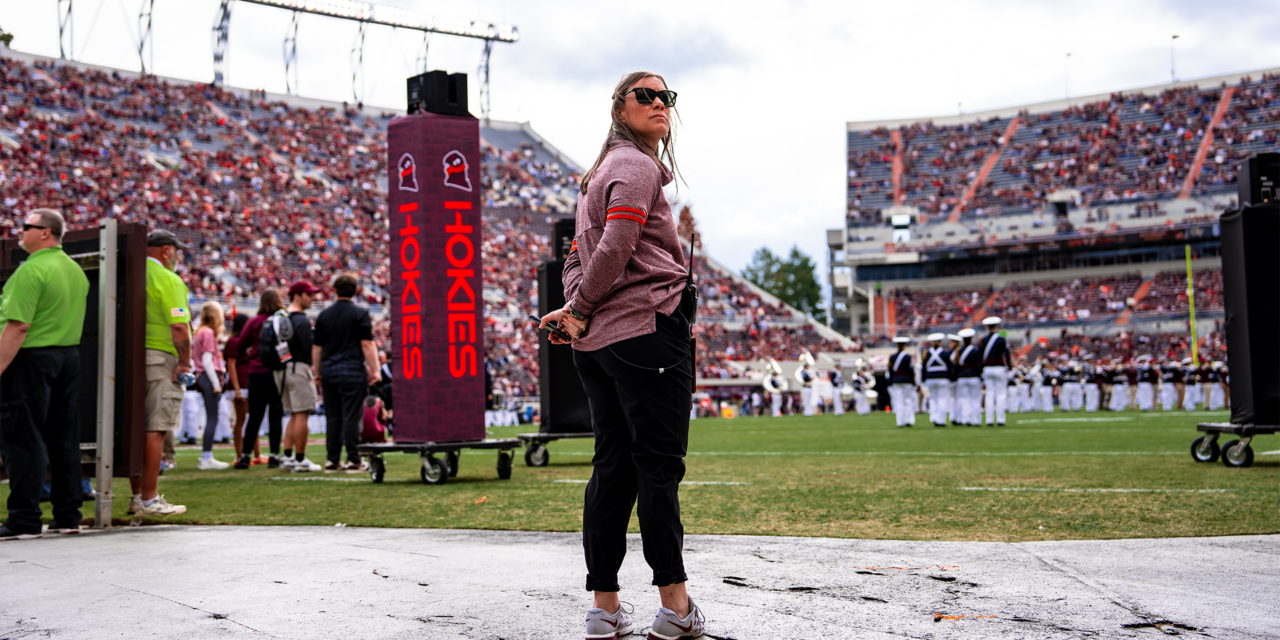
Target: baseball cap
point(302, 286)
point(164, 237)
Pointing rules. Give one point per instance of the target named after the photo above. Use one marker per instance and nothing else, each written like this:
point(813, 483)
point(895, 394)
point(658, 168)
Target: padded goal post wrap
point(437, 302)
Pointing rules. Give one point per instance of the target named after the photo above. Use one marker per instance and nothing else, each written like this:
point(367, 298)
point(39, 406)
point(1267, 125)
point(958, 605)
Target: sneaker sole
point(656, 636)
point(622, 631)
point(65, 532)
point(23, 536)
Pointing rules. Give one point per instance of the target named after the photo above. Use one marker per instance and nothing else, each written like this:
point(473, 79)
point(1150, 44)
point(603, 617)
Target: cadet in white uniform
point(996, 361)
point(968, 396)
point(1092, 392)
point(902, 387)
point(936, 371)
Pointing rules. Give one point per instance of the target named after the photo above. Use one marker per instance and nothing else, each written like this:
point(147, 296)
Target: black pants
point(263, 395)
point(40, 429)
point(343, 418)
point(205, 385)
point(640, 418)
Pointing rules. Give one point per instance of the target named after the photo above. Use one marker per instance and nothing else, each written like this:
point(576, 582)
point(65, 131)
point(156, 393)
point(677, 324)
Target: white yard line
point(683, 483)
point(1093, 490)
point(913, 453)
point(322, 479)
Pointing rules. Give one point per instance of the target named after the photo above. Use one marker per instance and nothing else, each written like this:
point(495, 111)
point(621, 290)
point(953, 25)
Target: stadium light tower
point(66, 36)
point(368, 13)
point(144, 33)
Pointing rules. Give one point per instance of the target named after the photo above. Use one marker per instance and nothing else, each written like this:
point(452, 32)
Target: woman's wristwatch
point(574, 312)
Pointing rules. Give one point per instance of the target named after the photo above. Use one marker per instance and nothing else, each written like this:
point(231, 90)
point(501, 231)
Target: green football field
point(1044, 477)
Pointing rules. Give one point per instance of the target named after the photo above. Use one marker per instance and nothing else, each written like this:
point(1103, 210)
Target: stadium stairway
point(896, 137)
point(1206, 142)
point(982, 311)
point(987, 166)
point(1137, 297)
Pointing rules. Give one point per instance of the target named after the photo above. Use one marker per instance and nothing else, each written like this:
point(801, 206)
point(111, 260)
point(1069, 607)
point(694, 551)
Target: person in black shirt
point(345, 361)
point(296, 381)
point(935, 369)
point(1170, 382)
point(1147, 378)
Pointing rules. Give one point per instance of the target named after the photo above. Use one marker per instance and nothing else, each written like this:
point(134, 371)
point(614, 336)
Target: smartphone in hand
point(553, 328)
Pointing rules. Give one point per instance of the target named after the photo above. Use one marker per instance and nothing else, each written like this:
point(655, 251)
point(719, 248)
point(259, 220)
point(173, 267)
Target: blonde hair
point(211, 316)
point(620, 129)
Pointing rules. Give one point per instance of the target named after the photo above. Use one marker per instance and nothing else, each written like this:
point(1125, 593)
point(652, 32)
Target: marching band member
point(1049, 381)
point(1147, 378)
point(806, 376)
point(864, 381)
point(1170, 380)
point(1015, 378)
point(1092, 392)
point(936, 372)
point(1072, 394)
point(996, 361)
point(1217, 394)
point(952, 348)
point(837, 382)
point(1119, 386)
point(1194, 393)
point(902, 387)
point(776, 385)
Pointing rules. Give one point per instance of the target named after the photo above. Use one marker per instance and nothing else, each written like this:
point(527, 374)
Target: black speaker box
point(1257, 178)
point(438, 92)
point(1251, 290)
point(564, 403)
point(562, 234)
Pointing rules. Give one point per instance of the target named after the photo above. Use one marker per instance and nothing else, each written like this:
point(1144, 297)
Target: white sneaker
point(135, 503)
point(211, 464)
point(287, 464)
point(160, 508)
point(305, 465)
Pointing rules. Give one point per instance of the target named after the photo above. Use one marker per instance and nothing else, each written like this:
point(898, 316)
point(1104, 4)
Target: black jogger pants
point(640, 418)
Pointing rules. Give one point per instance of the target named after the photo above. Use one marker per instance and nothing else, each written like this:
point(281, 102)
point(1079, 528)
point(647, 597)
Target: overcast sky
point(765, 88)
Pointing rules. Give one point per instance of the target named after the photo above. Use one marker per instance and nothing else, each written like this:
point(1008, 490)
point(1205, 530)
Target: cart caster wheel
point(1233, 455)
point(536, 455)
point(451, 461)
point(377, 469)
point(434, 471)
point(504, 465)
point(1204, 449)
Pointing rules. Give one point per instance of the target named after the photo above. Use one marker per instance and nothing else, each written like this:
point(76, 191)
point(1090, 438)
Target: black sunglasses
point(28, 227)
point(645, 95)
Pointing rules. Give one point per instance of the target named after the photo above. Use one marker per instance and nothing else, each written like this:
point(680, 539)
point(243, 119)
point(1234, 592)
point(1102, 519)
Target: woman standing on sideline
point(629, 314)
point(264, 396)
point(209, 369)
point(237, 358)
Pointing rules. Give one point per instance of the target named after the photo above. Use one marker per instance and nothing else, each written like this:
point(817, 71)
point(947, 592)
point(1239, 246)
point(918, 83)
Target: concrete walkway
point(314, 583)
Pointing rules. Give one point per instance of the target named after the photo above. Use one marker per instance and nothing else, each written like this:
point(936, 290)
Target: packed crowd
point(918, 310)
point(1168, 292)
point(1079, 299)
point(1132, 146)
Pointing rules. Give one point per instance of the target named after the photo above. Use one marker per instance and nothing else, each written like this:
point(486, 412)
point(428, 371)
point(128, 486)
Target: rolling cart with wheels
point(1235, 453)
point(436, 470)
point(535, 445)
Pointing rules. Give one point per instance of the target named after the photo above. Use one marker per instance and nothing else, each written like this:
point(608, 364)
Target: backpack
point(273, 341)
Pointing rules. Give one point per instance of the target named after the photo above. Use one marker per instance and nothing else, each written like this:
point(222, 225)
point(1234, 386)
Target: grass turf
point(1044, 477)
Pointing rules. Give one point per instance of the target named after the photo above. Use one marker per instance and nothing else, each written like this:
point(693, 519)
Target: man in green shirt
point(168, 356)
point(42, 314)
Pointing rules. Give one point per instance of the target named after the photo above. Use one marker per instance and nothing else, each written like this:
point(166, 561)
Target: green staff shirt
point(166, 305)
point(48, 291)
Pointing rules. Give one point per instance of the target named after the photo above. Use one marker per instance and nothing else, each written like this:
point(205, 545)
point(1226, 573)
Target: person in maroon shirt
point(630, 313)
point(264, 396)
point(237, 358)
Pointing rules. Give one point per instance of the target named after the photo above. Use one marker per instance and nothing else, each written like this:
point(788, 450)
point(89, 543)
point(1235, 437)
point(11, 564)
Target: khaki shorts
point(163, 407)
point(297, 388)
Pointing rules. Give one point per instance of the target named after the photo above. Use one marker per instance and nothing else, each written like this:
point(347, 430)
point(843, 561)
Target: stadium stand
point(270, 189)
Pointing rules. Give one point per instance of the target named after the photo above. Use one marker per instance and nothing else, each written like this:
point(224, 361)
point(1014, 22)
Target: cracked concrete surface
point(315, 583)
